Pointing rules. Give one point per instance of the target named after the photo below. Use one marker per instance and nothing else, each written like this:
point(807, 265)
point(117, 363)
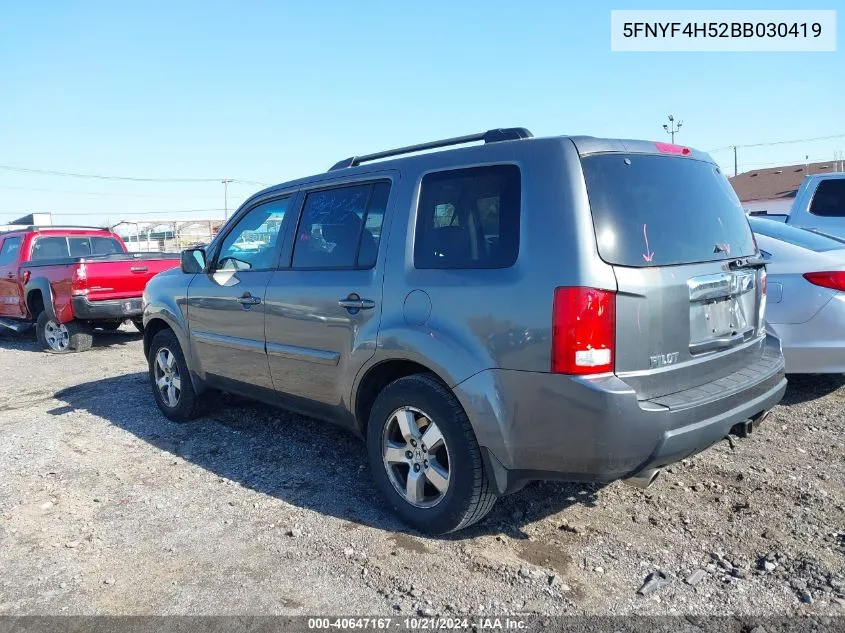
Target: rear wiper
point(747, 262)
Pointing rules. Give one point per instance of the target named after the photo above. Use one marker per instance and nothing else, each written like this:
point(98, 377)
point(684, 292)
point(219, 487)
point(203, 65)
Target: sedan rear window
point(651, 210)
point(795, 236)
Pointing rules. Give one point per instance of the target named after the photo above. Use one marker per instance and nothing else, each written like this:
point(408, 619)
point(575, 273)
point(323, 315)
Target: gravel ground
point(106, 507)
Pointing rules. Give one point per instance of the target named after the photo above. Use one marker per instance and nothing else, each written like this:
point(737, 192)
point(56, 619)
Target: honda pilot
point(484, 311)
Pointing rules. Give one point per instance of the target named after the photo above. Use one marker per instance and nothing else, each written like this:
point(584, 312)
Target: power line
point(799, 140)
point(50, 172)
point(104, 193)
point(88, 214)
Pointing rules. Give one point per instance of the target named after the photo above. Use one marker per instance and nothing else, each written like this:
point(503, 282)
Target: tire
point(62, 338)
point(139, 325)
point(182, 403)
point(467, 496)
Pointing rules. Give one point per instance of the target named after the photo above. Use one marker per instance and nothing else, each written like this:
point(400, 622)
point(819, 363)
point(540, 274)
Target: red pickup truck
point(68, 281)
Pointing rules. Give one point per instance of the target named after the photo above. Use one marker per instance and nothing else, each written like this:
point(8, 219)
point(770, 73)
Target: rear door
point(226, 306)
point(690, 282)
point(11, 297)
point(323, 311)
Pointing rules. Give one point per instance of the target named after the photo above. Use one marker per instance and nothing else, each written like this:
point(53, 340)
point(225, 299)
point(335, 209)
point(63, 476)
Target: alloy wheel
point(168, 380)
point(416, 457)
point(56, 335)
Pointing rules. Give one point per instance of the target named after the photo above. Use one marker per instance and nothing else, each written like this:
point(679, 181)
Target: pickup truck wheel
point(170, 379)
point(62, 338)
point(425, 458)
point(139, 325)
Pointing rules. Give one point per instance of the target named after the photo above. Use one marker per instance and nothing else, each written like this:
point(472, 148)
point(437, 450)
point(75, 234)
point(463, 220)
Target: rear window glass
point(795, 236)
point(79, 246)
point(829, 199)
point(105, 246)
point(50, 248)
point(653, 210)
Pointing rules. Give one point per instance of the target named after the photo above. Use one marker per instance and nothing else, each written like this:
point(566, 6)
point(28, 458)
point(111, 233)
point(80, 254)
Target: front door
point(11, 297)
point(226, 303)
point(323, 311)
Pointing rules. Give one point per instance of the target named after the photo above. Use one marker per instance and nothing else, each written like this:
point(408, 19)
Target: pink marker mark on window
point(649, 254)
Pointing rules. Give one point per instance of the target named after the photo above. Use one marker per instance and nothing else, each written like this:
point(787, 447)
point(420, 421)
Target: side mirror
point(193, 261)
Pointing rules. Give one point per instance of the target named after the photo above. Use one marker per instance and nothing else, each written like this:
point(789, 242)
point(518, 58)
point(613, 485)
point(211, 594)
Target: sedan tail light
point(835, 280)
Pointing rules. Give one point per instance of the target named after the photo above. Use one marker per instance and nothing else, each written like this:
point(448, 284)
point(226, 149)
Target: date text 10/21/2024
point(493, 623)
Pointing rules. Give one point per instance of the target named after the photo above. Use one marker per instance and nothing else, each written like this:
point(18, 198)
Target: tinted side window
point(50, 248)
point(253, 243)
point(469, 218)
point(829, 199)
point(341, 227)
point(9, 250)
point(368, 252)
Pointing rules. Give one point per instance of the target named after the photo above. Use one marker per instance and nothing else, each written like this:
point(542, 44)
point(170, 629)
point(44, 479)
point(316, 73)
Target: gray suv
point(516, 309)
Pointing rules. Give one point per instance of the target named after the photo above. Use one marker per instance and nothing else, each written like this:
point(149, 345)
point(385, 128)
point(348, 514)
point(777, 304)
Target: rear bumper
point(545, 426)
point(111, 310)
point(817, 346)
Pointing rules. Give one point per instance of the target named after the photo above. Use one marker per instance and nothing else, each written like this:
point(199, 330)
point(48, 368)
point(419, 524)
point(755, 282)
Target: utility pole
point(672, 128)
point(226, 182)
point(735, 170)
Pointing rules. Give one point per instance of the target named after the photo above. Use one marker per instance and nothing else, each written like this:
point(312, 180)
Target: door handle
point(248, 300)
point(354, 302)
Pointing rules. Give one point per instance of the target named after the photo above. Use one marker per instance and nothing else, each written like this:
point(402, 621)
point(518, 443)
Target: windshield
point(651, 210)
point(795, 236)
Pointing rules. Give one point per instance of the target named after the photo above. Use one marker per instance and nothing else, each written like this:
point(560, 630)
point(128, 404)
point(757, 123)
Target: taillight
point(668, 148)
point(834, 280)
point(583, 331)
point(761, 312)
point(78, 281)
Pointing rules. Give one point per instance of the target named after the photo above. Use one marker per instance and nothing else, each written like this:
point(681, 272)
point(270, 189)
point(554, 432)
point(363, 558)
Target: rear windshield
point(653, 210)
point(829, 199)
point(74, 246)
point(797, 237)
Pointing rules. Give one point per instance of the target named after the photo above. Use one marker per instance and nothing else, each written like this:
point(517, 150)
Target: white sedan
point(806, 295)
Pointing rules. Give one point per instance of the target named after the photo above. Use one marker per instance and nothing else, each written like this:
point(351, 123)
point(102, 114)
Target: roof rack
point(45, 227)
point(490, 136)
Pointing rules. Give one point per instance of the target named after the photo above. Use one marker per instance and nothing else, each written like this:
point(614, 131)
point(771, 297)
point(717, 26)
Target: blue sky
point(269, 91)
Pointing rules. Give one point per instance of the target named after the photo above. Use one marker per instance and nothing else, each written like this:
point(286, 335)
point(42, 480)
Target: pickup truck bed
point(67, 281)
point(104, 287)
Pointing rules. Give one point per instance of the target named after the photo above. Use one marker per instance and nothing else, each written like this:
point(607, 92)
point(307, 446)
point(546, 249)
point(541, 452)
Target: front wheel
point(425, 458)
point(139, 325)
point(62, 338)
point(170, 379)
